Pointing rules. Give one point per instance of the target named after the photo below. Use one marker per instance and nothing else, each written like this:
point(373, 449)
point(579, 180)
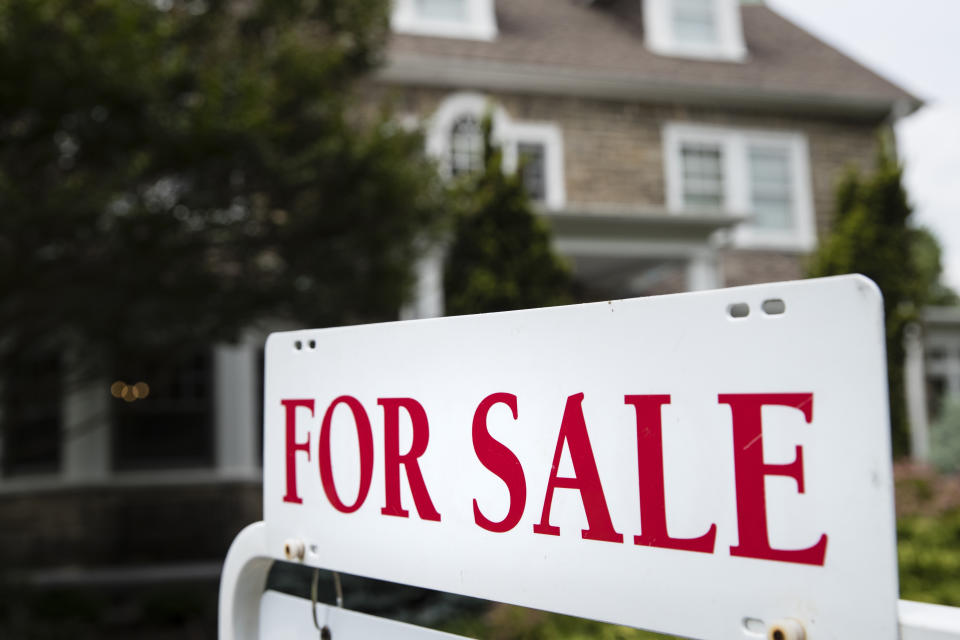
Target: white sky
point(915, 43)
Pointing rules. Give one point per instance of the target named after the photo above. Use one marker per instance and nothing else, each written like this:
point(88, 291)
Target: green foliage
point(500, 258)
point(927, 257)
point(945, 438)
point(929, 552)
point(872, 235)
point(172, 170)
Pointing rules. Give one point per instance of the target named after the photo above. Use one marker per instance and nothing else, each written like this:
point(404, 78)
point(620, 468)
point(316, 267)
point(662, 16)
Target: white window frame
point(661, 39)
point(506, 133)
point(548, 135)
point(480, 22)
point(735, 145)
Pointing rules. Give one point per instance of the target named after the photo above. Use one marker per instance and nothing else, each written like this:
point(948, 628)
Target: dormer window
point(449, 10)
point(467, 19)
point(708, 29)
point(694, 22)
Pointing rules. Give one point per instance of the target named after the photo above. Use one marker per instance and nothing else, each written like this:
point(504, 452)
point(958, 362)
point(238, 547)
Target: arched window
point(455, 138)
point(710, 29)
point(466, 146)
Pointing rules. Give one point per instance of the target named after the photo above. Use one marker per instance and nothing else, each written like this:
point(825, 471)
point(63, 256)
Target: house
point(674, 145)
point(932, 372)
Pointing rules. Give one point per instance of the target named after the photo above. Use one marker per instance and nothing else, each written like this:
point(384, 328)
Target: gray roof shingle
point(606, 38)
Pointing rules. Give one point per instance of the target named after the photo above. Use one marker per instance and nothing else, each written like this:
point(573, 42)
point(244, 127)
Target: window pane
point(32, 415)
point(453, 10)
point(466, 146)
point(167, 423)
point(771, 188)
point(936, 393)
point(694, 21)
point(702, 176)
point(533, 165)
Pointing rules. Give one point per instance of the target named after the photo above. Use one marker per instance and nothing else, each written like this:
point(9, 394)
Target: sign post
point(713, 465)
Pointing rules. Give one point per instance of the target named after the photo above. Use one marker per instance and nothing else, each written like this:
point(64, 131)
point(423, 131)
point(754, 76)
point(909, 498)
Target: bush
point(929, 552)
point(500, 257)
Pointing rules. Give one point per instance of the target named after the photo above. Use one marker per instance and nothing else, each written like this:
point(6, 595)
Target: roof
point(551, 44)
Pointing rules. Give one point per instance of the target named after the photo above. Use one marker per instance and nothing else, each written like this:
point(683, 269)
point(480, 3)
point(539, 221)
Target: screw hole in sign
point(774, 307)
point(739, 310)
point(298, 345)
point(312, 344)
point(754, 627)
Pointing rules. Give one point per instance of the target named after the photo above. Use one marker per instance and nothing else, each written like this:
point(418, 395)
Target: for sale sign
point(702, 464)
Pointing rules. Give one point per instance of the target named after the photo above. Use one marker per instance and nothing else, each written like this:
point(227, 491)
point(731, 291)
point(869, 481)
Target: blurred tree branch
point(172, 171)
point(500, 257)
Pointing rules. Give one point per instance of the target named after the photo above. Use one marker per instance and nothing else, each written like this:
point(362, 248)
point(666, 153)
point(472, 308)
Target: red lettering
point(500, 460)
point(653, 511)
point(392, 458)
point(365, 442)
point(573, 431)
point(750, 470)
point(293, 446)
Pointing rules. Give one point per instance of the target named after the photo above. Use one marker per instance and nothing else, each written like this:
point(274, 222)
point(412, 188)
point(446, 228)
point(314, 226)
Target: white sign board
point(652, 462)
point(284, 616)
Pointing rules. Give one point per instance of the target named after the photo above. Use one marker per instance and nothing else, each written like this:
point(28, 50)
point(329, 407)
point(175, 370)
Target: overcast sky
point(915, 43)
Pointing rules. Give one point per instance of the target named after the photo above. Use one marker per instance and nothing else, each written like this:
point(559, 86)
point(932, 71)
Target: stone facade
point(740, 267)
point(614, 155)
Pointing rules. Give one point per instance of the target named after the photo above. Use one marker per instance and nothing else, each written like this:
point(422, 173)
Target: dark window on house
point(32, 399)
point(534, 167)
point(936, 393)
point(771, 187)
point(163, 414)
point(466, 146)
point(702, 176)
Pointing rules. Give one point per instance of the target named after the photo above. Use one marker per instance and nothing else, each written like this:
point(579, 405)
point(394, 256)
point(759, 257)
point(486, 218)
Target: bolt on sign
point(703, 464)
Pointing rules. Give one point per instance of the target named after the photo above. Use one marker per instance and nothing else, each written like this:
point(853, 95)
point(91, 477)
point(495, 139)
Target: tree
point(170, 171)
point(173, 170)
point(927, 257)
point(500, 257)
point(872, 235)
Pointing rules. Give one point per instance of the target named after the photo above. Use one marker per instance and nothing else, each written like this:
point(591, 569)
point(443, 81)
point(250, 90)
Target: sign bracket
point(244, 578)
point(242, 583)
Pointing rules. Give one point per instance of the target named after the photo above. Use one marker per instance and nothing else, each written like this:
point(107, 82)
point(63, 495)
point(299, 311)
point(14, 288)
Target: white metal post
point(242, 583)
point(916, 394)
